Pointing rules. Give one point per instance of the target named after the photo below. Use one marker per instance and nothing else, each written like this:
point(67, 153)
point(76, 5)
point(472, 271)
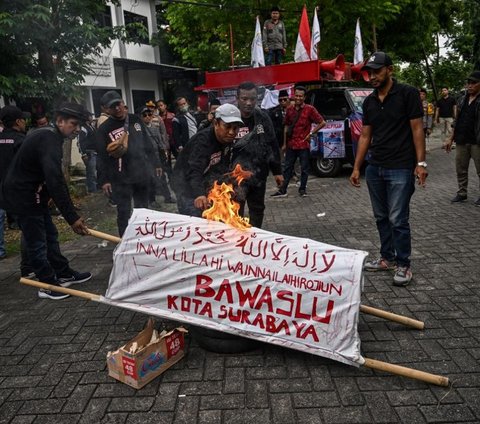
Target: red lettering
point(298, 313)
point(207, 310)
point(285, 295)
point(328, 314)
point(202, 286)
point(223, 312)
point(270, 324)
point(247, 295)
point(185, 305)
point(245, 317)
point(258, 321)
point(310, 331)
point(226, 289)
point(171, 302)
point(267, 299)
point(283, 326)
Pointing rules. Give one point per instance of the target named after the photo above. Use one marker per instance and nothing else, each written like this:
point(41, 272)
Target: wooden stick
point(406, 372)
point(419, 325)
point(78, 293)
point(410, 322)
point(104, 236)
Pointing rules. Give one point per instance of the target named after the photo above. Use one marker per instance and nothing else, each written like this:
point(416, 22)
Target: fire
point(223, 208)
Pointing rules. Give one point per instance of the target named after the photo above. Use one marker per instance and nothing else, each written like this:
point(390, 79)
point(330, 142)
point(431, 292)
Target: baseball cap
point(73, 110)
point(378, 60)
point(474, 76)
point(109, 98)
point(145, 109)
point(228, 113)
point(11, 113)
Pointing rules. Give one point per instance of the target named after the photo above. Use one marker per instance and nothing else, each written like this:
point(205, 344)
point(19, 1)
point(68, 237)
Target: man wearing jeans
point(393, 131)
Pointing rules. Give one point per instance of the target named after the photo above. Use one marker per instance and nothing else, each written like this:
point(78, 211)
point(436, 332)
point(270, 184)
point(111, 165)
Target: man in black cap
point(14, 124)
point(393, 131)
point(466, 136)
point(124, 152)
point(274, 37)
point(34, 177)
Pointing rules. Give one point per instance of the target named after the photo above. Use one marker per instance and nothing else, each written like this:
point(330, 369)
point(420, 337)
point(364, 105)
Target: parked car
point(338, 104)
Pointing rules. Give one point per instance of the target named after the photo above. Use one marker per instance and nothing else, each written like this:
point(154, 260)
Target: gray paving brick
point(43, 406)
point(201, 388)
point(115, 418)
point(150, 418)
point(307, 416)
point(227, 401)
point(94, 411)
point(290, 385)
point(346, 415)
point(410, 415)
point(380, 408)
point(447, 413)
point(187, 410)
point(23, 419)
point(167, 396)
point(281, 407)
point(234, 380)
point(256, 394)
point(79, 399)
point(57, 419)
point(348, 390)
point(315, 399)
point(130, 404)
point(8, 410)
point(210, 417)
point(114, 389)
point(410, 397)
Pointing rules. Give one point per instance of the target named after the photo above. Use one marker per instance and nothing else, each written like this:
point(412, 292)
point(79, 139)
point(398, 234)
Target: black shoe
point(458, 198)
point(302, 193)
point(111, 203)
point(75, 278)
point(49, 294)
point(279, 193)
point(4, 256)
point(30, 275)
point(477, 203)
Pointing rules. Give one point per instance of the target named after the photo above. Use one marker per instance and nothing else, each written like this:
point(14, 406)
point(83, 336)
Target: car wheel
point(216, 341)
point(327, 167)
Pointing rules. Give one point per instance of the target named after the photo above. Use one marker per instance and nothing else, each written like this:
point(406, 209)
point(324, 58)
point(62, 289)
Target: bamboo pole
point(78, 293)
point(409, 322)
point(406, 372)
point(369, 363)
point(104, 236)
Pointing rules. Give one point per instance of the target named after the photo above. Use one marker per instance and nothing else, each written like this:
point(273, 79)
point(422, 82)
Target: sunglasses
point(283, 100)
point(147, 114)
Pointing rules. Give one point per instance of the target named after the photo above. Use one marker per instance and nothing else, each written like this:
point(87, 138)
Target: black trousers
point(124, 194)
point(255, 199)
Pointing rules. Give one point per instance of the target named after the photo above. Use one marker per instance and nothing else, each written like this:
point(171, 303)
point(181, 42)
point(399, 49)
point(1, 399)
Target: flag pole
point(231, 46)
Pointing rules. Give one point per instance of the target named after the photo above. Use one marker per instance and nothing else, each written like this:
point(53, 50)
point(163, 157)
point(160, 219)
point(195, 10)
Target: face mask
point(184, 109)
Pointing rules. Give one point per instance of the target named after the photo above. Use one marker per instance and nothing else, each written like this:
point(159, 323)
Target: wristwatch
point(423, 164)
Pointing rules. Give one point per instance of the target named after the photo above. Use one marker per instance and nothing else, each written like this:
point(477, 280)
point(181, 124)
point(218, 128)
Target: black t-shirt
point(465, 126)
point(445, 107)
point(245, 129)
point(392, 139)
point(10, 141)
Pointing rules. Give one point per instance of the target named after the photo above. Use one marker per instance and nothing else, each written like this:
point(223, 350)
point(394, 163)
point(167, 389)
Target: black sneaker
point(302, 193)
point(111, 203)
point(279, 193)
point(75, 278)
point(458, 199)
point(50, 294)
point(28, 274)
point(477, 203)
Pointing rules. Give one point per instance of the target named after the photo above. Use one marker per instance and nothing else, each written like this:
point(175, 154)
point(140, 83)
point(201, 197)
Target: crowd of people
point(132, 158)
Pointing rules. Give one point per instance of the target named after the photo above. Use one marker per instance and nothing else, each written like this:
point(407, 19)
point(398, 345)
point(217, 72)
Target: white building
point(135, 70)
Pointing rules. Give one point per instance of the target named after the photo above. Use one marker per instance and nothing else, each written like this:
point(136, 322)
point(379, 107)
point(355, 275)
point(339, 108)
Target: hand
point(429, 131)
point(278, 180)
point(79, 227)
point(158, 172)
point(283, 149)
point(355, 178)
point(284, 52)
point(180, 148)
point(307, 138)
point(107, 189)
point(201, 202)
point(421, 173)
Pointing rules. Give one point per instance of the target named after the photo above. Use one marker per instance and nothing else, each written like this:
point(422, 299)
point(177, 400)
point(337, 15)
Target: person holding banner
point(204, 159)
point(393, 132)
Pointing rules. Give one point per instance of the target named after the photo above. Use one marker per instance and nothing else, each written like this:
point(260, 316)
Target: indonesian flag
point(302, 50)
point(315, 37)
point(358, 49)
point(258, 59)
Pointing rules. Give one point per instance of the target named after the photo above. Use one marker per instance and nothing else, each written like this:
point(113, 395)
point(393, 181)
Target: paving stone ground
point(52, 354)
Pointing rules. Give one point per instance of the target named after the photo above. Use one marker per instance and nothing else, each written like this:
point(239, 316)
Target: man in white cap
point(204, 159)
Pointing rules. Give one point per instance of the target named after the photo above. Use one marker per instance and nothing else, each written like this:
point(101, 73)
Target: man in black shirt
point(124, 171)
point(393, 131)
point(466, 136)
point(204, 159)
point(446, 112)
point(256, 149)
point(34, 177)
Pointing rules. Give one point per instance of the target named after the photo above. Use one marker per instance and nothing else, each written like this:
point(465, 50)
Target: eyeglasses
point(147, 114)
point(283, 100)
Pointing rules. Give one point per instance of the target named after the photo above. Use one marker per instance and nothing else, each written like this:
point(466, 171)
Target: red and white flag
point(302, 50)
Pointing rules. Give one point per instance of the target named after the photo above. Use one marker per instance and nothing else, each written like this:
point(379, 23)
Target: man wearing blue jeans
point(393, 131)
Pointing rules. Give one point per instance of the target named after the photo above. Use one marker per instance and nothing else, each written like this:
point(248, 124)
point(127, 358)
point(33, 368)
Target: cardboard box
point(142, 359)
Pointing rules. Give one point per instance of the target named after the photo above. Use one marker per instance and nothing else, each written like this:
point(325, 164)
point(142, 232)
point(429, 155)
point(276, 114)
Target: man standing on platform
point(274, 38)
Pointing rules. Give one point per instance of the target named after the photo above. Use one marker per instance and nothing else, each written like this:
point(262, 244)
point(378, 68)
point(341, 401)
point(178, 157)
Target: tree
point(48, 46)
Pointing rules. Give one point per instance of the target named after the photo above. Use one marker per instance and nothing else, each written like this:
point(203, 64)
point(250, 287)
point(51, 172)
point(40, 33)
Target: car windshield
point(357, 96)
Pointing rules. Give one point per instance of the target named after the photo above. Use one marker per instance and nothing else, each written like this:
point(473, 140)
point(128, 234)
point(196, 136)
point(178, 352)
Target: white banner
point(292, 292)
point(358, 47)
point(315, 37)
point(258, 58)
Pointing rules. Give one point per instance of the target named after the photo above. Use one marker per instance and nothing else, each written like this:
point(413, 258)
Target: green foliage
point(48, 46)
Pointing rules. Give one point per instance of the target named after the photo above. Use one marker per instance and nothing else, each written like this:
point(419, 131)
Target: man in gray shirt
point(274, 38)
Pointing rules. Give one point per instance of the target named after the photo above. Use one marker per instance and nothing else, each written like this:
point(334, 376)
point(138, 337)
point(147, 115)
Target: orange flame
point(223, 208)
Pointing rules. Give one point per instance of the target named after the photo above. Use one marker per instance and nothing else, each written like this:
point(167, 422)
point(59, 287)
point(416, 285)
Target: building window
point(104, 18)
point(138, 35)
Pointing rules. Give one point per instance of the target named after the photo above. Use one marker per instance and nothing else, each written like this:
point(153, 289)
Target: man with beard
point(124, 152)
point(393, 132)
point(256, 150)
